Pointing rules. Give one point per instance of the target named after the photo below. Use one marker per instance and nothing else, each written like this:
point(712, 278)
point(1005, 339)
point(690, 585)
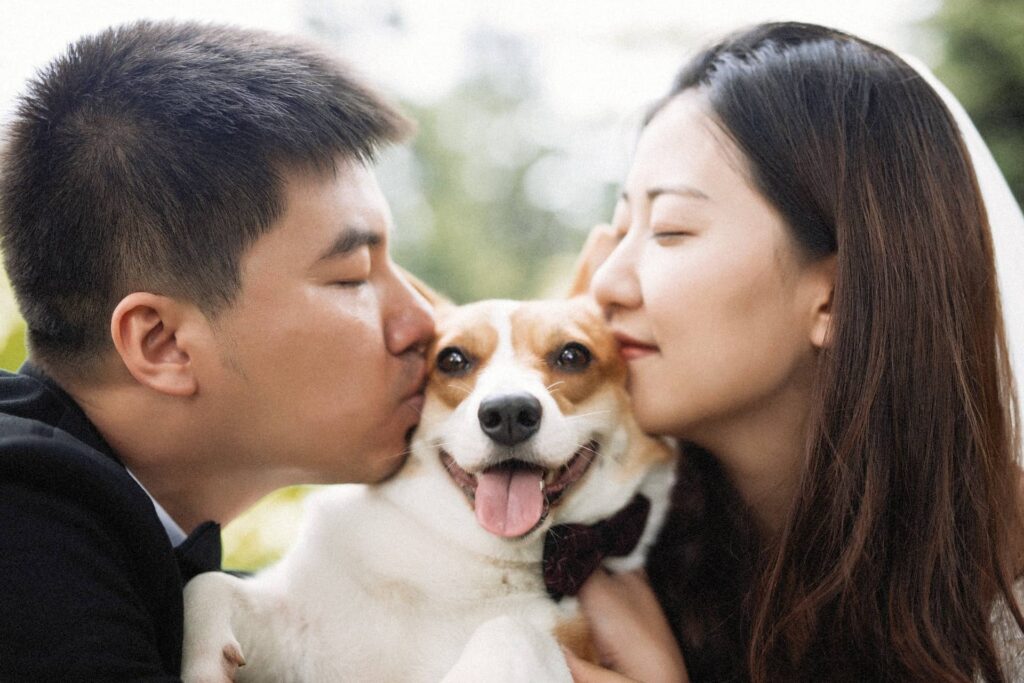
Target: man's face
point(320, 362)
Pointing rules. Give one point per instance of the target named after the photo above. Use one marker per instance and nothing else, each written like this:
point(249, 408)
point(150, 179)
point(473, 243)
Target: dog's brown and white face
point(527, 418)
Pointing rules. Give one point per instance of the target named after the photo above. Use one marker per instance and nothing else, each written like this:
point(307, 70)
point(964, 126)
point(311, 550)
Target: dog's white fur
point(398, 582)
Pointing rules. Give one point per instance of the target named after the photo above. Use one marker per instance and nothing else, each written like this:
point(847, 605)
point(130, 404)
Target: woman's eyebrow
point(679, 190)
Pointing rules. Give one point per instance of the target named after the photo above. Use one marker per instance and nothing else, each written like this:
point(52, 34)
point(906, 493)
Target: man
point(200, 253)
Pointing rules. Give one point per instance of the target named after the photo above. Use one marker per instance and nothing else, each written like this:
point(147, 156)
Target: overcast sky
point(596, 50)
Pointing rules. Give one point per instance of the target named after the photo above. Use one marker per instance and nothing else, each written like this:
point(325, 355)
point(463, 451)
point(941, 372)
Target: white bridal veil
point(1004, 215)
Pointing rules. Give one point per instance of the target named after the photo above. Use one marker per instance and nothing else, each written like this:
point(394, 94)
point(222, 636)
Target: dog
point(443, 572)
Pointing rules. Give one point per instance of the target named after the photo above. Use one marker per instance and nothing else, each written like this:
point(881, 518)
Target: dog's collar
point(572, 552)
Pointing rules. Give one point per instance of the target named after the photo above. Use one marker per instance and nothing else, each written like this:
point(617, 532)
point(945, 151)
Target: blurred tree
point(485, 237)
point(983, 64)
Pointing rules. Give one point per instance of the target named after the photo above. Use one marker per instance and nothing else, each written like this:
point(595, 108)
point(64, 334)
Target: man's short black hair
point(149, 157)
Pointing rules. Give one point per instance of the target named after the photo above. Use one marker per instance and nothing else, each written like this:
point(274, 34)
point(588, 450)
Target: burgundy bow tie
point(573, 551)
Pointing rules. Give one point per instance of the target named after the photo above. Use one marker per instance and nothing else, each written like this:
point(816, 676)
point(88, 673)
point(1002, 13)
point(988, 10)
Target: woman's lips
point(632, 349)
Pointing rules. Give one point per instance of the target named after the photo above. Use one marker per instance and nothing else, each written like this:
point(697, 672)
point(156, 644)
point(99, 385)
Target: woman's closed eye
point(665, 233)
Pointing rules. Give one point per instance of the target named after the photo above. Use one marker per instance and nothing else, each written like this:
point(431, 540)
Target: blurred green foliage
point(480, 229)
point(983, 64)
point(14, 352)
point(262, 534)
point(486, 243)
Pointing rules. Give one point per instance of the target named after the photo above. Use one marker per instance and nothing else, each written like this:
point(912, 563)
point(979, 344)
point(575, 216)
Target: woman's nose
point(615, 283)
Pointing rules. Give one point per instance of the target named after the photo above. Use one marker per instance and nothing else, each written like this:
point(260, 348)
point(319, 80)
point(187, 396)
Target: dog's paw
point(510, 650)
point(209, 668)
point(233, 656)
point(202, 664)
point(211, 653)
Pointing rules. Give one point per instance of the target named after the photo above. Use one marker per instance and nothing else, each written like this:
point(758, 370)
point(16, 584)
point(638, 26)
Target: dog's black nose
point(510, 418)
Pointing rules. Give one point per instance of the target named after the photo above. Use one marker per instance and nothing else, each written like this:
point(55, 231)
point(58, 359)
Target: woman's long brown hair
point(906, 529)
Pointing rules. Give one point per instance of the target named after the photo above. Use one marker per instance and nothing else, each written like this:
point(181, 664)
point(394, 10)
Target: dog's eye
point(573, 357)
point(452, 361)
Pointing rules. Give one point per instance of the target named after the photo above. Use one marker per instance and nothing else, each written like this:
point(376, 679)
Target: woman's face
point(717, 312)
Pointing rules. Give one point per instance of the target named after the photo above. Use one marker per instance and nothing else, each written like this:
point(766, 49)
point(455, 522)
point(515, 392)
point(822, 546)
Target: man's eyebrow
point(679, 190)
point(349, 240)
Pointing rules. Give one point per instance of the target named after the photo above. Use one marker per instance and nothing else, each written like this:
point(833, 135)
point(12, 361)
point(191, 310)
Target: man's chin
point(394, 466)
point(385, 463)
point(380, 457)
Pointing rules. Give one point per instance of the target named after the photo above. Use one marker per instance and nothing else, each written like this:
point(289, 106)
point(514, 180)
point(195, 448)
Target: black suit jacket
point(89, 586)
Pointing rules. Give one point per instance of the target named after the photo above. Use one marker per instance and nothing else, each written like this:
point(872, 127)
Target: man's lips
point(632, 349)
point(414, 394)
point(414, 399)
point(416, 402)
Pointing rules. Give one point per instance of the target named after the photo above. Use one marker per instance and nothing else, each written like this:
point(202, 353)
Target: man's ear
point(146, 329)
point(821, 322)
point(433, 298)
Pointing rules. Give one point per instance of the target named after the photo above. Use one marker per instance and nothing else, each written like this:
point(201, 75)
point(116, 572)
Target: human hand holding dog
point(630, 632)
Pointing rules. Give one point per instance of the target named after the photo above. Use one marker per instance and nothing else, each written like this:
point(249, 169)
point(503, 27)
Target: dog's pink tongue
point(509, 502)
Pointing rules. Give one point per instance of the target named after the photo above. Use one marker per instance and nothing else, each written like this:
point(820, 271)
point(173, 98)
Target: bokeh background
point(527, 112)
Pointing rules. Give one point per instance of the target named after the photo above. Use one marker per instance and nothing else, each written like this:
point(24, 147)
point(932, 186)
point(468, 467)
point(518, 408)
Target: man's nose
point(410, 323)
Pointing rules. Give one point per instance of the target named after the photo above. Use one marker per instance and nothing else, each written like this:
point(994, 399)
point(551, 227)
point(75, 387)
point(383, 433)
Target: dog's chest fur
point(382, 583)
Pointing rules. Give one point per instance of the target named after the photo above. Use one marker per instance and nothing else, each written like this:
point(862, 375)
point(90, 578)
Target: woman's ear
point(147, 331)
point(824, 285)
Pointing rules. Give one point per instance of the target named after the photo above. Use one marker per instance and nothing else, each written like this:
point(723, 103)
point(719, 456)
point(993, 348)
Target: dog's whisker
point(439, 444)
point(460, 387)
point(585, 448)
point(587, 414)
point(399, 456)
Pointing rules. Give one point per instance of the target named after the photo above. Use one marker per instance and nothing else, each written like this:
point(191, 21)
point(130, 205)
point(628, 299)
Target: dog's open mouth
point(512, 498)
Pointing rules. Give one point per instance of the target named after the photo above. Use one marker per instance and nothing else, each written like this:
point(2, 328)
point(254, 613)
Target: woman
point(801, 276)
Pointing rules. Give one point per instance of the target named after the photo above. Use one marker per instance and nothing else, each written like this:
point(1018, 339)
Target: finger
point(628, 625)
point(596, 587)
point(599, 234)
point(585, 672)
point(609, 613)
point(604, 586)
point(599, 245)
point(635, 581)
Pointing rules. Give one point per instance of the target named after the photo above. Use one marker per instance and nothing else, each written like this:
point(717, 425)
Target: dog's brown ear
point(600, 243)
point(426, 291)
